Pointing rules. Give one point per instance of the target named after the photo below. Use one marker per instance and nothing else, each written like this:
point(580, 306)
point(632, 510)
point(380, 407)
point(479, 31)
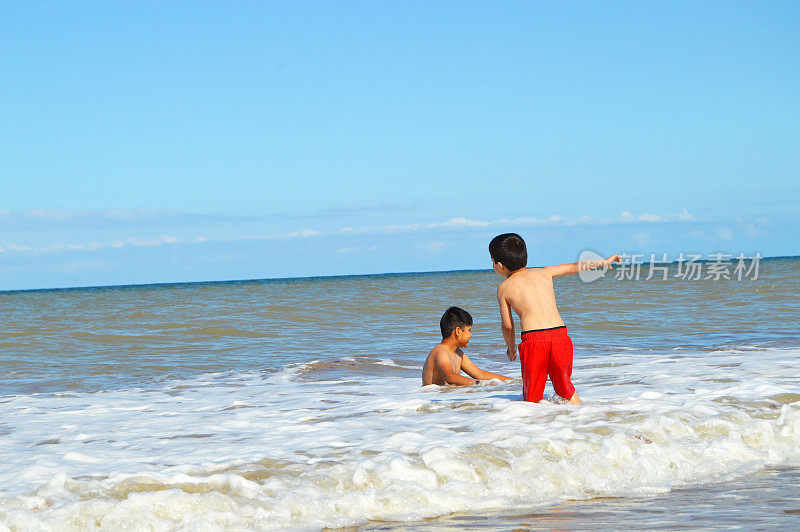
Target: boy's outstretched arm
point(475, 372)
point(507, 324)
point(575, 267)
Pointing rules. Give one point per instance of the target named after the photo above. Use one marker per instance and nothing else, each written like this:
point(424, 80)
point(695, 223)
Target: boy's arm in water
point(507, 324)
point(445, 366)
point(575, 267)
point(469, 367)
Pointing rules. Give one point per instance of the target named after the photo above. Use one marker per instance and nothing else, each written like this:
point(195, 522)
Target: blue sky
point(187, 141)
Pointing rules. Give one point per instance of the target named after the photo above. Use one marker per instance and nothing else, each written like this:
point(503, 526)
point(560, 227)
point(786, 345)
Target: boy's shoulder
point(520, 278)
point(442, 348)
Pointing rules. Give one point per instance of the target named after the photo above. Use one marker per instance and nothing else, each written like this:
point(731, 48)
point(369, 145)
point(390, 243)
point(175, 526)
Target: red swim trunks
point(546, 352)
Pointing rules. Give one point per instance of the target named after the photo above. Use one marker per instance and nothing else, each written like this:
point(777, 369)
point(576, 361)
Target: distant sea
point(297, 404)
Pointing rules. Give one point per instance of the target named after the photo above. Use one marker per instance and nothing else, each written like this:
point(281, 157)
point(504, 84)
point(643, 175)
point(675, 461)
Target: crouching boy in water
point(447, 360)
point(546, 348)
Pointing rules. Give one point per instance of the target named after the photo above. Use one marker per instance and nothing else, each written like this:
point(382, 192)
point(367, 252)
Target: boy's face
point(463, 335)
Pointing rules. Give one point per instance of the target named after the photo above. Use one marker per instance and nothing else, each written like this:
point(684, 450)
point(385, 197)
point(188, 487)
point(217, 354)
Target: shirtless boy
point(546, 348)
point(447, 360)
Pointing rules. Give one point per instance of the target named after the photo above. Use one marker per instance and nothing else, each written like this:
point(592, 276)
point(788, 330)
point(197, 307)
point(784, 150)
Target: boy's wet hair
point(452, 318)
point(509, 250)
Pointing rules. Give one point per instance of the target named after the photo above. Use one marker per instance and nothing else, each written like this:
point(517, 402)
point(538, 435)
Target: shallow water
point(770, 497)
point(296, 404)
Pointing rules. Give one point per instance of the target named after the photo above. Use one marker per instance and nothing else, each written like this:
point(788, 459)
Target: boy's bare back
point(530, 293)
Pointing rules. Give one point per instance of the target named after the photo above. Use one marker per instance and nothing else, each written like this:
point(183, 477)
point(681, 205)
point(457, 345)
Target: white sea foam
point(263, 451)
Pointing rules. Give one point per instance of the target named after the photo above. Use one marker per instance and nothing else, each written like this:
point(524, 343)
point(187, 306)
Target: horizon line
point(302, 277)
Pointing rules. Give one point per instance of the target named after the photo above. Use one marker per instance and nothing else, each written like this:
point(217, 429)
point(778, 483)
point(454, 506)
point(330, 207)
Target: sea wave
point(275, 451)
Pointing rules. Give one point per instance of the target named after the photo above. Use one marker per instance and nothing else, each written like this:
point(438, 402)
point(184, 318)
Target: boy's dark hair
point(452, 318)
point(509, 250)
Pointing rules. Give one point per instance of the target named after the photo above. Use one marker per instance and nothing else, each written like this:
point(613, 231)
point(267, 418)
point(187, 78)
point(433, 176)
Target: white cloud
point(519, 221)
point(135, 214)
point(649, 218)
point(554, 220)
point(465, 222)
point(88, 246)
point(725, 233)
point(304, 233)
point(66, 246)
point(149, 242)
point(455, 223)
point(83, 265)
point(641, 238)
point(51, 215)
point(11, 246)
point(433, 247)
point(627, 216)
point(757, 228)
point(61, 216)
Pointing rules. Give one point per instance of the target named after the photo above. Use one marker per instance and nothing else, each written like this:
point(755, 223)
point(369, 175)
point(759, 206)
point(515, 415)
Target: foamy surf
point(305, 448)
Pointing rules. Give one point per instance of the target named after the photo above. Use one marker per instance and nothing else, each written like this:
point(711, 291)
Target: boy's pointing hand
point(612, 259)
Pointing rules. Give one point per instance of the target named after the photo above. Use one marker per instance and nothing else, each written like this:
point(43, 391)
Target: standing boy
point(546, 348)
point(446, 361)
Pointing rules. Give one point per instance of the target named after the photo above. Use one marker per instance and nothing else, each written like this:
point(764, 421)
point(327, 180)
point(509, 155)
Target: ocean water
point(296, 404)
